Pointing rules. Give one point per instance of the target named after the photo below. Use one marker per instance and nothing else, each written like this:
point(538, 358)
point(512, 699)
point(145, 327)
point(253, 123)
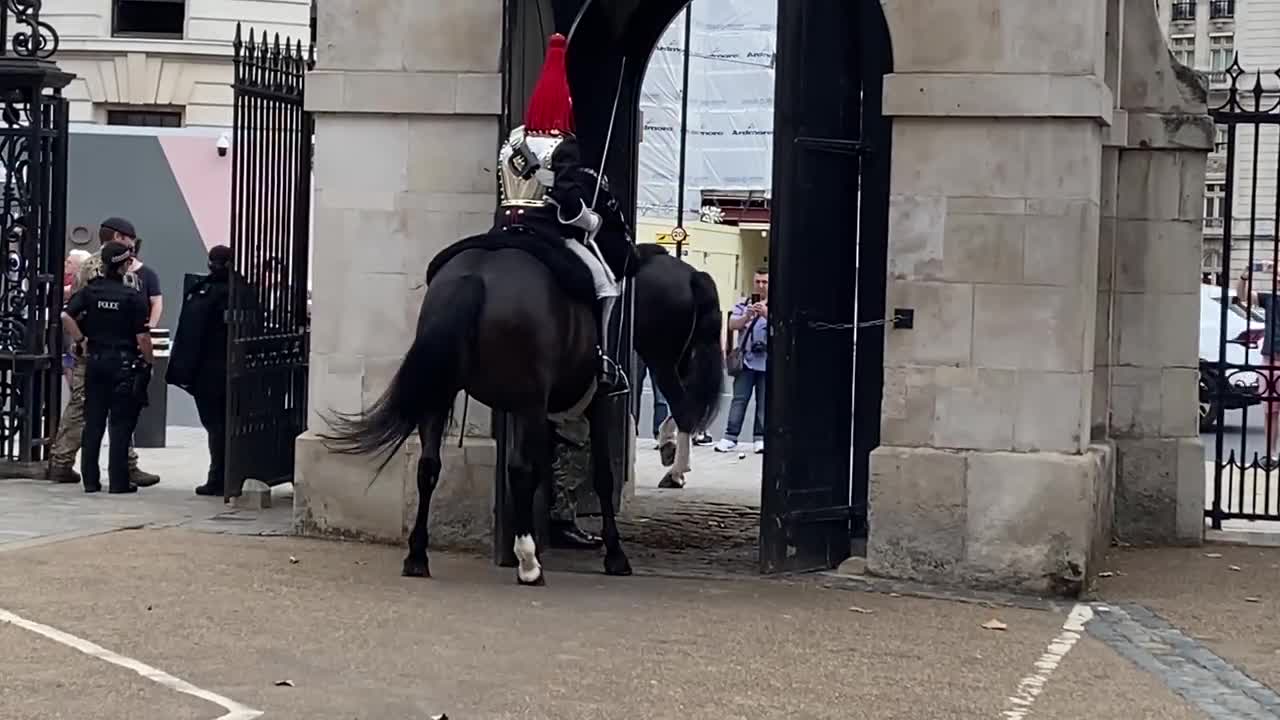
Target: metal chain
point(818, 325)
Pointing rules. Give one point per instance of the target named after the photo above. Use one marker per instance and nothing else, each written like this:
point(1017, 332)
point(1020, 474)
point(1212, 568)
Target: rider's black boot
point(611, 378)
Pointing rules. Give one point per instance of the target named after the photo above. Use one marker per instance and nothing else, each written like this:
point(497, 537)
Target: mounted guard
point(545, 189)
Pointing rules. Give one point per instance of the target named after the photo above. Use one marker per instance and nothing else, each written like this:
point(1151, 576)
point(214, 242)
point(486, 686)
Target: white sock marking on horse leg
point(667, 430)
point(682, 465)
point(234, 710)
point(527, 553)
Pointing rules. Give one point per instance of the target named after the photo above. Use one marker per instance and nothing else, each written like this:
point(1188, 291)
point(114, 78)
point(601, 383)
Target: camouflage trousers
point(570, 467)
point(71, 427)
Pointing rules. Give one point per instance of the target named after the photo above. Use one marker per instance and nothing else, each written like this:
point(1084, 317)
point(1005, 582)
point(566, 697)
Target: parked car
point(1228, 380)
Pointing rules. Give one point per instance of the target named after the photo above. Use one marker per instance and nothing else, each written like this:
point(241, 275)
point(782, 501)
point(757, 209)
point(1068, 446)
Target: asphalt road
point(318, 630)
point(1243, 433)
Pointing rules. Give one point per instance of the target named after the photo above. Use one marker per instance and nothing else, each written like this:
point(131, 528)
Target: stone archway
point(831, 150)
point(1034, 175)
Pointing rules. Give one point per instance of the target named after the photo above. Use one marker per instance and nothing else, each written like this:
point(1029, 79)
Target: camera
point(755, 298)
point(224, 144)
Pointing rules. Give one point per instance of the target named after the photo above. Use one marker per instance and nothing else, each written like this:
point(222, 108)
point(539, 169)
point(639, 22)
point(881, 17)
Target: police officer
point(107, 324)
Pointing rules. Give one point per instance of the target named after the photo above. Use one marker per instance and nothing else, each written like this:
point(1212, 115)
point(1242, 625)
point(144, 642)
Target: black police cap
point(120, 225)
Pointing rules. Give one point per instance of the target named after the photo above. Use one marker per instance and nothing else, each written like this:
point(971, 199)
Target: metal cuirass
point(519, 160)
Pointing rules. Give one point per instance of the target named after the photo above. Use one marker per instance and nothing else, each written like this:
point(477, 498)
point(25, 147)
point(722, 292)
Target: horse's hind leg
point(615, 560)
point(528, 447)
point(431, 433)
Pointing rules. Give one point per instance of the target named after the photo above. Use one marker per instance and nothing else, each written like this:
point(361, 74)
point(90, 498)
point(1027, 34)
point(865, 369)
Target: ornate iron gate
point(33, 208)
point(831, 144)
point(268, 321)
point(1239, 376)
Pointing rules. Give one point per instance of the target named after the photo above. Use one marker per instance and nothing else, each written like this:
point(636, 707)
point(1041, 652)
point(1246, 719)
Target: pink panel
point(205, 182)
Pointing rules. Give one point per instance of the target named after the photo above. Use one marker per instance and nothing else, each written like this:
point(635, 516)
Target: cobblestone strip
point(1187, 667)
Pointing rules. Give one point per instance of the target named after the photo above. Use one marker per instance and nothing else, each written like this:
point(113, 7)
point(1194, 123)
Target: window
point(1222, 52)
point(1215, 195)
point(1184, 49)
point(1222, 9)
point(148, 18)
point(145, 118)
point(1184, 10)
point(1219, 138)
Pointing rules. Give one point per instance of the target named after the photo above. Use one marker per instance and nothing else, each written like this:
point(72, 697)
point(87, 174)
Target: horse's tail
point(428, 380)
point(706, 357)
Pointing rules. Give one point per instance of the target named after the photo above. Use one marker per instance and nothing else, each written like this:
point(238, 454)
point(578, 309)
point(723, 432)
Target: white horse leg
point(667, 441)
point(683, 444)
point(674, 479)
point(530, 570)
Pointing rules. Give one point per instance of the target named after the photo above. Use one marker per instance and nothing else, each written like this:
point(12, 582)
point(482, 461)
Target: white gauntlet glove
point(588, 220)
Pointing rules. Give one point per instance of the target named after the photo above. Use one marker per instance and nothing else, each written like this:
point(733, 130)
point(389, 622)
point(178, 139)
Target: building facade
point(1205, 35)
point(161, 63)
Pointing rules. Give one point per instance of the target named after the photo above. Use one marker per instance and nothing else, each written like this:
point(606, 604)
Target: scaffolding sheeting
point(731, 77)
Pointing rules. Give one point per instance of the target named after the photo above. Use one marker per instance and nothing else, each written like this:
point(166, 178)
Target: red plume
point(551, 106)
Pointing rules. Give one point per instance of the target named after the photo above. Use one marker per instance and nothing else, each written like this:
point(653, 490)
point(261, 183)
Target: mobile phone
point(755, 298)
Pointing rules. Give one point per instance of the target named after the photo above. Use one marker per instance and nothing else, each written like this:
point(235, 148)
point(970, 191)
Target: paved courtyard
point(164, 605)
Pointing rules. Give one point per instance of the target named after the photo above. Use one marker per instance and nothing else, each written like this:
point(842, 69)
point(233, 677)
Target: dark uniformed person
point(107, 322)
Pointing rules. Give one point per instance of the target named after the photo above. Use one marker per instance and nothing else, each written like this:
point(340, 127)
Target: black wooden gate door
point(268, 323)
point(831, 59)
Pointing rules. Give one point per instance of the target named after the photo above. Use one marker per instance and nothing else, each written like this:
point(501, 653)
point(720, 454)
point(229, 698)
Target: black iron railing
point(1240, 376)
point(1222, 9)
point(1184, 10)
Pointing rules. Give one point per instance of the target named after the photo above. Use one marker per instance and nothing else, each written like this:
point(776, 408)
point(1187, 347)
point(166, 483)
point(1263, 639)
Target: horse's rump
point(567, 268)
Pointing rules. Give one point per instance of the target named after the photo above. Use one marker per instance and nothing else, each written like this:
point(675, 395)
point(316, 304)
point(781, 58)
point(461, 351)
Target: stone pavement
point(34, 512)
point(1223, 596)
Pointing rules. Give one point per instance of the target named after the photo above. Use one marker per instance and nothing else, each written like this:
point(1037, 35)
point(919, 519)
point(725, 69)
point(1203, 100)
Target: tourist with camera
point(747, 363)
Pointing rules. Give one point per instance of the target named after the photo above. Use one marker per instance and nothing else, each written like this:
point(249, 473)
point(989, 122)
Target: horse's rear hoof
point(617, 566)
point(668, 452)
point(539, 582)
point(416, 568)
point(670, 483)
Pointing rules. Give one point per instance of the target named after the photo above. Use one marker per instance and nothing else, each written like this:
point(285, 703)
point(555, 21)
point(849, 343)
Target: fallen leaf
point(284, 683)
point(293, 560)
point(441, 716)
point(1108, 573)
point(1234, 568)
point(861, 611)
point(894, 595)
point(1253, 599)
point(1215, 556)
point(994, 624)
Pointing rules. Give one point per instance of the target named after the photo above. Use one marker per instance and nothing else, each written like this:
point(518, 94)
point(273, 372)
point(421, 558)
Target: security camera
point(224, 144)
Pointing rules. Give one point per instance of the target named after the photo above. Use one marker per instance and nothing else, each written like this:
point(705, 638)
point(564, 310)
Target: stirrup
point(612, 379)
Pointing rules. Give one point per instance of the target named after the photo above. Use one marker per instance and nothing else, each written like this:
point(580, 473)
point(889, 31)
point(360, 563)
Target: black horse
point(677, 334)
point(497, 323)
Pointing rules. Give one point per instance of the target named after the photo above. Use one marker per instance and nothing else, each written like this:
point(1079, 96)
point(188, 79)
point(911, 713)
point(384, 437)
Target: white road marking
point(234, 710)
point(1018, 705)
